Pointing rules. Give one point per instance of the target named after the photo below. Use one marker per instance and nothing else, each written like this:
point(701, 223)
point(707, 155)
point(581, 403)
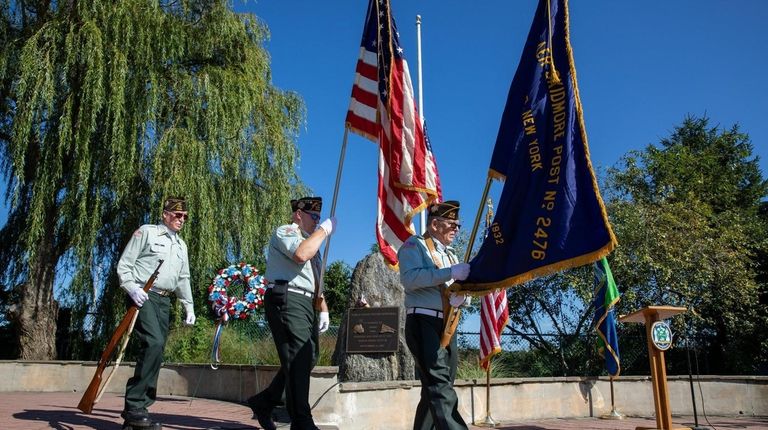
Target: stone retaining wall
point(391, 405)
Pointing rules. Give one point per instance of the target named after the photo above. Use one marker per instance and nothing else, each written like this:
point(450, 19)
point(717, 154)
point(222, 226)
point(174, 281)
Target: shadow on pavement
point(106, 420)
point(743, 422)
point(64, 420)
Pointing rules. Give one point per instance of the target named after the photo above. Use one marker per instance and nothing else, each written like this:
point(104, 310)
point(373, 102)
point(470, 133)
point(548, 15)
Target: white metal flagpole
point(421, 99)
point(418, 56)
point(335, 198)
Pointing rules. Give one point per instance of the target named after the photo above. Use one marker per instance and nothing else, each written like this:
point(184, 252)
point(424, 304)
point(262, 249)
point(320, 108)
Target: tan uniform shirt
point(148, 245)
point(280, 263)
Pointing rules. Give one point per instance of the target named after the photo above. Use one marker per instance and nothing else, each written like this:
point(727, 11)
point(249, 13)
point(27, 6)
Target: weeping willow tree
point(106, 108)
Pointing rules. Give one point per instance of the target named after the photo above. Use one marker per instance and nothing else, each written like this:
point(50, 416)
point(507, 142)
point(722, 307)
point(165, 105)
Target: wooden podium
point(648, 316)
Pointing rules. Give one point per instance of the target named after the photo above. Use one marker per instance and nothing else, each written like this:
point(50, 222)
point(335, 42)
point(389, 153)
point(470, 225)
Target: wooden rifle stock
point(90, 394)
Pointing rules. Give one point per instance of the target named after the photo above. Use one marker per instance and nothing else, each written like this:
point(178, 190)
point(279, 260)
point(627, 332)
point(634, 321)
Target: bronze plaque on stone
point(373, 329)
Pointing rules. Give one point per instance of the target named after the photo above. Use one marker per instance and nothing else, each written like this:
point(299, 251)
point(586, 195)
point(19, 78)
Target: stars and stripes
point(382, 109)
point(494, 312)
point(494, 315)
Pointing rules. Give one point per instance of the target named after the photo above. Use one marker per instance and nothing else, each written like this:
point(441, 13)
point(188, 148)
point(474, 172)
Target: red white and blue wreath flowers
point(238, 277)
point(244, 276)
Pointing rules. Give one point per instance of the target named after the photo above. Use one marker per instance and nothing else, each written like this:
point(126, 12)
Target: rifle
point(119, 359)
point(90, 394)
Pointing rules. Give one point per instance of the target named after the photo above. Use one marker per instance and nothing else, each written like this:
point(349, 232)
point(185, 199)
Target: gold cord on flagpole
point(555, 77)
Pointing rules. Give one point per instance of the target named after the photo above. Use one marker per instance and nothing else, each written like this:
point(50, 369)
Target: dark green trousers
point(438, 406)
point(291, 319)
point(151, 330)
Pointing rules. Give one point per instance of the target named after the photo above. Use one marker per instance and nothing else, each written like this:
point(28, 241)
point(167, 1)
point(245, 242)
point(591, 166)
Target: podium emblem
point(661, 335)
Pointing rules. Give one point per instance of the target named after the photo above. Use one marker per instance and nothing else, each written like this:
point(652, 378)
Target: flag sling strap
point(450, 314)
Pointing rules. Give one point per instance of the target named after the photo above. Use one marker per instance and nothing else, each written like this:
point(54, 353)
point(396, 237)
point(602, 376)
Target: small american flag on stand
point(382, 109)
point(494, 312)
point(494, 315)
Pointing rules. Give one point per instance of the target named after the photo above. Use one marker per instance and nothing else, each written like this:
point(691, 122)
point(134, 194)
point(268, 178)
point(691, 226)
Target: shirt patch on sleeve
point(408, 245)
point(137, 233)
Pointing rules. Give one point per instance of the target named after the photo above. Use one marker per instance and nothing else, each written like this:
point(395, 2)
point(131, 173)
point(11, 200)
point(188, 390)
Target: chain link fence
point(547, 355)
point(241, 342)
point(523, 355)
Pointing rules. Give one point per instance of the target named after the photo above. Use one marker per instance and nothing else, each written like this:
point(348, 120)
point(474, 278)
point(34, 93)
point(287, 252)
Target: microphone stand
point(687, 320)
point(690, 380)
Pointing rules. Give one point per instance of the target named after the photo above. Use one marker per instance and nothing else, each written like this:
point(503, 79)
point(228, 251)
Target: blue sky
point(641, 68)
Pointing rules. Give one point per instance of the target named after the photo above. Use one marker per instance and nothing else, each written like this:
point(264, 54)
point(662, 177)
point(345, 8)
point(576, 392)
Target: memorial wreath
point(242, 275)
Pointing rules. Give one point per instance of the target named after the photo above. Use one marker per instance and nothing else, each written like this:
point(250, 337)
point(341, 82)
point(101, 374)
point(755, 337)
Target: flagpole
point(421, 98)
point(614, 414)
point(479, 215)
point(488, 421)
point(418, 67)
point(452, 319)
point(333, 203)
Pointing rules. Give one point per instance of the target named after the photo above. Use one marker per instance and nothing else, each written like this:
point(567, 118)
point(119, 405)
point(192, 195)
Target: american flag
point(494, 314)
point(382, 109)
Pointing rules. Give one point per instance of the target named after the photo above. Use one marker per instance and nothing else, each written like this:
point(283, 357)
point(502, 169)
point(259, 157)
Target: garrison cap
point(448, 210)
point(175, 204)
point(314, 204)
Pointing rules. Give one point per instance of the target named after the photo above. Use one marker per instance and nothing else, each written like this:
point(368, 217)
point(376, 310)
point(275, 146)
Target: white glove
point(324, 322)
point(329, 225)
point(460, 272)
point(190, 319)
point(458, 300)
point(467, 301)
point(138, 296)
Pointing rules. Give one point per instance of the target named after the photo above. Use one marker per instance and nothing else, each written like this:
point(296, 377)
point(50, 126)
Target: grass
point(469, 367)
point(250, 342)
point(242, 342)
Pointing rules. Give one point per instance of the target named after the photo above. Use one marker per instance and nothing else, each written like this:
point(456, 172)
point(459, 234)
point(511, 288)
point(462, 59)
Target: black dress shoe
point(261, 414)
point(137, 418)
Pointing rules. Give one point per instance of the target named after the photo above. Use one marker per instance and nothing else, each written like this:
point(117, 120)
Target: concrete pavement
point(33, 411)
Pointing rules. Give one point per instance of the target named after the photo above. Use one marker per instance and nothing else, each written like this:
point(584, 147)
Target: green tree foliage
point(690, 233)
point(690, 220)
point(553, 315)
point(106, 108)
point(337, 279)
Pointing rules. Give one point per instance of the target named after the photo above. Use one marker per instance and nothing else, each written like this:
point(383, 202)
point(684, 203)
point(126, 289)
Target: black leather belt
point(424, 311)
point(164, 293)
point(295, 290)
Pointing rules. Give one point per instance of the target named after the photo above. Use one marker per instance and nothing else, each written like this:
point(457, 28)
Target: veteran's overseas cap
point(175, 204)
point(313, 204)
point(448, 209)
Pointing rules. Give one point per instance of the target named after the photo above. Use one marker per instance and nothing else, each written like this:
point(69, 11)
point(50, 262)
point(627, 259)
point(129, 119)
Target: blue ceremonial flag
point(606, 297)
point(550, 216)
